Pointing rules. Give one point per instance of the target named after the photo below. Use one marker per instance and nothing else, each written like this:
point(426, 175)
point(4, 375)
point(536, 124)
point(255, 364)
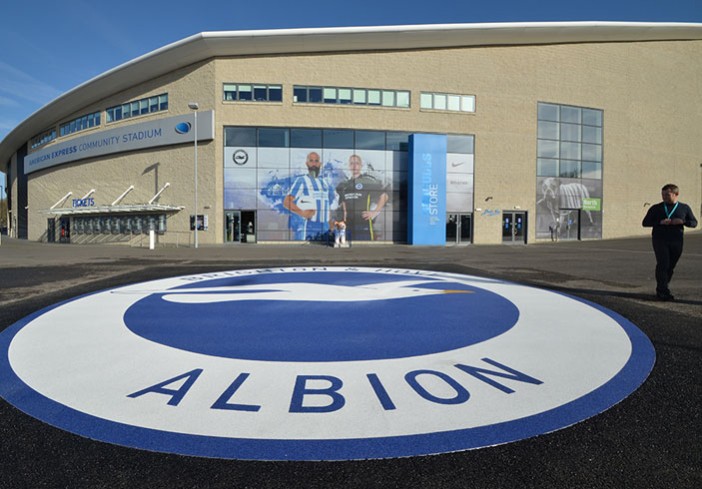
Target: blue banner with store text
point(427, 187)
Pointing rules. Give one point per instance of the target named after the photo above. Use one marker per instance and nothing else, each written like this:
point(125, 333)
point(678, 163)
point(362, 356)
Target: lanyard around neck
point(672, 211)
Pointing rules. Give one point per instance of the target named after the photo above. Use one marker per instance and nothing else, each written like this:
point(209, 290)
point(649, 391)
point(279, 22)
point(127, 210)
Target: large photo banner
point(301, 182)
point(301, 193)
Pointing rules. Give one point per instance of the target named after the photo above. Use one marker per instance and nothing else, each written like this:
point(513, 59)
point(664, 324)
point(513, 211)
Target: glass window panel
point(98, 115)
point(126, 111)
point(570, 151)
point(135, 108)
point(91, 120)
point(570, 114)
point(245, 92)
point(275, 93)
point(370, 140)
point(547, 149)
point(273, 137)
point(425, 101)
point(153, 104)
point(388, 98)
point(548, 112)
point(315, 95)
point(548, 130)
point(454, 103)
point(592, 117)
point(359, 96)
point(340, 139)
point(260, 93)
point(569, 169)
point(403, 99)
point(396, 141)
point(592, 170)
point(373, 97)
point(570, 132)
point(240, 137)
point(459, 144)
point(329, 95)
point(305, 138)
point(468, 103)
point(546, 167)
point(163, 102)
point(300, 94)
point(592, 152)
point(110, 115)
point(344, 95)
point(144, 106)
point(592, 134)
point(440, 101)
point(118, 113)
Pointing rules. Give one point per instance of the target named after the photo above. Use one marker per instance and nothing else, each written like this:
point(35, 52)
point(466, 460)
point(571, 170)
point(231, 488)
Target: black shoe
point(665, 296)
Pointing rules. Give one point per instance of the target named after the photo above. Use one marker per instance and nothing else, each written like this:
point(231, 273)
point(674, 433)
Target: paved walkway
point(623, 266)
point(650, 439)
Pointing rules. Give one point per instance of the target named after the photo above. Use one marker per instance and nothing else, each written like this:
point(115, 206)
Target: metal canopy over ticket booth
point(84, 225)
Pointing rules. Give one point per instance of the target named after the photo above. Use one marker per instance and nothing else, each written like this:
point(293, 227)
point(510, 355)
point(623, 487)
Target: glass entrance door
point(466, 228)
point(459, 228)
point(514, 227)
point(232, 226)
point(569, 225)
point(451, 229)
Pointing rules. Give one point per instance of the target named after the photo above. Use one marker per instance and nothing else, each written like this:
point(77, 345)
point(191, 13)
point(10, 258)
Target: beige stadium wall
point(650, 92)
point(147, 170)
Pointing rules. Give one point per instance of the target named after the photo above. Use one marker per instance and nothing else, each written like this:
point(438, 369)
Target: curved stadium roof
point(208, 45)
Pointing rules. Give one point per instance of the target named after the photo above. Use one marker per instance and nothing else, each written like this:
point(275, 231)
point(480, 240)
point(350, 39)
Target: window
point(143, 106)
point(447, 101)
point(351, 96)
point(569, 142)
point(80, 124)
point(252, 92)
point(43, 138)
point(568, 171)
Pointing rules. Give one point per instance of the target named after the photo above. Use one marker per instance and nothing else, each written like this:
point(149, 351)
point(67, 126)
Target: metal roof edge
point(206, 45)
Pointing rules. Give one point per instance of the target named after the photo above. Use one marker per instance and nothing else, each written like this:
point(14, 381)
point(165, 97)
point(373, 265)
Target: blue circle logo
point(352, 316)
point(183, 128)
point(320, 363)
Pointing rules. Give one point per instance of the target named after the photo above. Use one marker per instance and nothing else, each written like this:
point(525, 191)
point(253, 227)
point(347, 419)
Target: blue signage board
point(427, 188)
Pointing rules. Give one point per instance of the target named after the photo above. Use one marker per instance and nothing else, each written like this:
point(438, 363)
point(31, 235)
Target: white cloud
point(19, 85)
point(8, 102)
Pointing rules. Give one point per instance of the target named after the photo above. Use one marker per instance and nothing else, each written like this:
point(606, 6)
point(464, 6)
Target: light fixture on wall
point(488, 198)
point(646, 203)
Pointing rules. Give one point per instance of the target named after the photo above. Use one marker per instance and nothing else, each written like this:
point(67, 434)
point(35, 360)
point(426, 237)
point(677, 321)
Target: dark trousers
point(667, 255)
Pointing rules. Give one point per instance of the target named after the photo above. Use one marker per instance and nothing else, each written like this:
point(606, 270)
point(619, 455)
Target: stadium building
point(431, 135)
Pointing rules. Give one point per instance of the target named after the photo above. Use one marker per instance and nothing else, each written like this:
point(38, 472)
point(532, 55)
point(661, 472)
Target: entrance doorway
point(51, 230)
point(64, 230)
point(459, 229)
point(514, 227)
point(239, 226)
point(569, 229)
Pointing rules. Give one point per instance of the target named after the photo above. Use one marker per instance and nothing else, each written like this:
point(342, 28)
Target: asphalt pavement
point(651, 439)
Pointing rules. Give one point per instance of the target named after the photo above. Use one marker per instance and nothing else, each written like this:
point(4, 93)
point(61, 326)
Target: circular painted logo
point(240, 157)
point(324, 363)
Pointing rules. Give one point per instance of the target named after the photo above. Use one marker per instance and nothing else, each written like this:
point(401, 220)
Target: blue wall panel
point(427, 190)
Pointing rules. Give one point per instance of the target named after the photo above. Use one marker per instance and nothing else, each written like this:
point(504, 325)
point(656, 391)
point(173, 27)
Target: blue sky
point(49, 47)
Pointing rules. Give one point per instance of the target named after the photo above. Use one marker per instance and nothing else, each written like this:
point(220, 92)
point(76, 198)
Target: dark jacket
point(656, 213)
